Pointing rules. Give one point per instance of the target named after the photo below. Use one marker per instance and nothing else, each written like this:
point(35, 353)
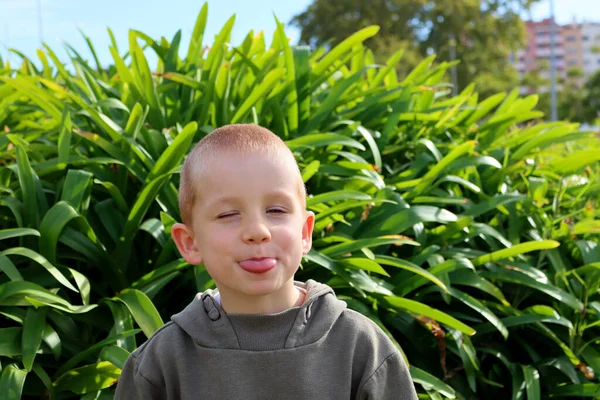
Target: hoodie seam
point(154, 335)
point(140, 350)
point(138, 372)
point(380, 366)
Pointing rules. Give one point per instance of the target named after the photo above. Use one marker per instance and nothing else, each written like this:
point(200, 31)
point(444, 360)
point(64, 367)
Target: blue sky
point(61, 19)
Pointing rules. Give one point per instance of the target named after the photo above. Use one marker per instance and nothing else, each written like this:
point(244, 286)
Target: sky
point(60, 20)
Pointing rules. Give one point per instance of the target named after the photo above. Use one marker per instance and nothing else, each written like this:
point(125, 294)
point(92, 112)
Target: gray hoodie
point(320, 350)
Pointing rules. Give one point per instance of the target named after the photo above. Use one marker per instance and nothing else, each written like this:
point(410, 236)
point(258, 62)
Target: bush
point(467, 229)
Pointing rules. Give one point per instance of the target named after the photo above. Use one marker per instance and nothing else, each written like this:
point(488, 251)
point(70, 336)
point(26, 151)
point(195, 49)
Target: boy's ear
point(184, 240)
point(307, 231)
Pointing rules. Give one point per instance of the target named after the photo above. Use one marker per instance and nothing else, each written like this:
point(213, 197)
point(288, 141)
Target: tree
point(591, 103)
point(484, 33)
point(574, 102)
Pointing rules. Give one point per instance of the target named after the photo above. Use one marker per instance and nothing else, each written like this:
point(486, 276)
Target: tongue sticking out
point(258, 265)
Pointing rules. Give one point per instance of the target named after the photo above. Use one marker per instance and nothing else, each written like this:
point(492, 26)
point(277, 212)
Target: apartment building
point(576, 50)
point(590, 32)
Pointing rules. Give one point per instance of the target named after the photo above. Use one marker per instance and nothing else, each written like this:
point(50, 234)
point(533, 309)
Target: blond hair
point(235, 138)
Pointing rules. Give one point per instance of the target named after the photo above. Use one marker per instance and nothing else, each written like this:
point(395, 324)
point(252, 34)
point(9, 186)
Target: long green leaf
point(176, 151)
point(423, 309)
point(17, 232)
point(115, 355)
point(331, 102)
point(481, 309)
point(302, 69)
point(433, 173)
point(64, 139)
point(532, 382)
point(26, 181)
point(338, 51)
point(25, 252)
point(469, 278)
point(322, 140)
point(146, 197)
point(522, 279)
point(51, 227)
point(290, 72)
point(516, 250)
point(412, 283)
point(77, 358)
point(364, 264)
point(195, 48)
point(408, 266)
point(12, 381)
point(33, 329)
point(354, 245)
point(9, 268)
point(142, 310)
point(25, 293)
point(336, 195)
point(490, 204)
point(77, 189)
point(89, 378)
point(429, 381)
point(10, 341)
point(258, 93)
point(45, 378)
point(576, 391)
point(372, 145)
point(407, 218)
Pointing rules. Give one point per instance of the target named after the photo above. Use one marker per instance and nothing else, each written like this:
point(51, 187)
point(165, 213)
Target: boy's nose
point(256, 233)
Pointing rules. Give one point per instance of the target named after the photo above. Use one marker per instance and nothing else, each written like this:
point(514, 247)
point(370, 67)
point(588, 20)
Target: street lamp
point(39, 15)
point(553, 109)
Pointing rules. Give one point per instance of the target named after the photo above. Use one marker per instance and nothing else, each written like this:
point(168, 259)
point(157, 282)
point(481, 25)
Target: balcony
point(545, 40)
point(545, 52)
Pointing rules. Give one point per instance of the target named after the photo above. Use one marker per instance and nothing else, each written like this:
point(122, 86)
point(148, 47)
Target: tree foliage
point(484, 33)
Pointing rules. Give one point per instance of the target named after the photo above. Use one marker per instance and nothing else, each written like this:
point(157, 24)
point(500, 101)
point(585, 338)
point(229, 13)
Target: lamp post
point(39, 15)
point(453, 68)
point(553, 108)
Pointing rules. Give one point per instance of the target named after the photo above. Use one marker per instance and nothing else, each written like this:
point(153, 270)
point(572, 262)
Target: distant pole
point(39, 15)
point(7, 36)
point(553, 108)
point(453, 68)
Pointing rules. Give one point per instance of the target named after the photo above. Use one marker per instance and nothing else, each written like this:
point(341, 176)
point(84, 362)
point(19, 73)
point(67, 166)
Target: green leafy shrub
point(467, 229)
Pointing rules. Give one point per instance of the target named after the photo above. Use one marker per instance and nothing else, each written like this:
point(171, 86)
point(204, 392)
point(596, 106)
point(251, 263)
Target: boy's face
point(250, 227)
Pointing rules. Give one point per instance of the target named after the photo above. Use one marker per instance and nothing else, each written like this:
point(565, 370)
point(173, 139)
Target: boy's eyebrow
point(224, 199)
point(278, 193)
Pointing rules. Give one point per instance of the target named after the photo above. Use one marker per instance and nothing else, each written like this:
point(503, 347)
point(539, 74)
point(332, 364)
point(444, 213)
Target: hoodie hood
point(209, 326)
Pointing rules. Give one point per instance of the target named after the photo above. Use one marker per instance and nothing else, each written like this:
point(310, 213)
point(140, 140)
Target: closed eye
point(226, 215)
point(276, 211)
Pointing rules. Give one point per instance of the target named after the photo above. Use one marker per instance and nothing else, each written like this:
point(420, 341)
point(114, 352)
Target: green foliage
point(481, 34)
point(576, 101)
point(467, 230)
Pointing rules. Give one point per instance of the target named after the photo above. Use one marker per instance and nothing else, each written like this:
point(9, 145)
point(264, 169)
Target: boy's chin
point(261, 288)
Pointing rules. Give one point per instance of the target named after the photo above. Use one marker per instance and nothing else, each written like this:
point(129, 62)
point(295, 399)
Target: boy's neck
point(284, 299)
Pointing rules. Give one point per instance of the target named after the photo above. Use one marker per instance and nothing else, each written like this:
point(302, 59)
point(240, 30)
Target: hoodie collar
point(209, 326)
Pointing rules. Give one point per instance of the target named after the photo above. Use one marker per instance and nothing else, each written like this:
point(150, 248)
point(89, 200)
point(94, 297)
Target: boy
point(259, 335)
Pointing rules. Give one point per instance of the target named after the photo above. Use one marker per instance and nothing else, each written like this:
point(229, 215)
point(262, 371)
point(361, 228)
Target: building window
point(572, 63)
point(571, 51)
point(571, 39)
point(540, 35)
point(586, 38)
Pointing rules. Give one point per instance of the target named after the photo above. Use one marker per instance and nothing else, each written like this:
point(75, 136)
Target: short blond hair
point(235, 138)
